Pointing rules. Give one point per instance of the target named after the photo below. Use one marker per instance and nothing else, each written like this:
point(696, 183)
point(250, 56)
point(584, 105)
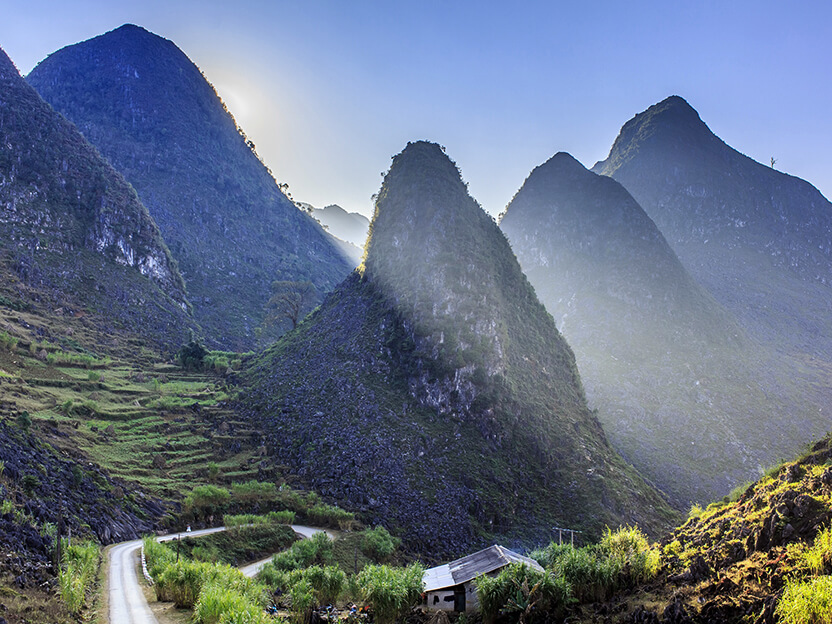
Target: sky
point(329, 91)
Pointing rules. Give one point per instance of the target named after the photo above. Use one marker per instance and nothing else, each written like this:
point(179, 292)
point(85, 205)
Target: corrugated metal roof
point(470, 567)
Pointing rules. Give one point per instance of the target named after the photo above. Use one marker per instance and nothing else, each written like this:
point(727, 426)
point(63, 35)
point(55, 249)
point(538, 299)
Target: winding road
point(128, 604)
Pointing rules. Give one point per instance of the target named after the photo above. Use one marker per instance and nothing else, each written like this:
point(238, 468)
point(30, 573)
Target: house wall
point(472, 602)
point(442, 600)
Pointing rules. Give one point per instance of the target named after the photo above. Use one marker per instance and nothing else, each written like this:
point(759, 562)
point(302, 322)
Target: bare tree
point(289, 301)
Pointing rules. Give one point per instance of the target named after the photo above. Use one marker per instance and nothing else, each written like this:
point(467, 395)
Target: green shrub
point(391, 592)
point(191, 356)
point(24, 421)
point(303, 600)
point(8, 341)
point(254, 492)
point(808, 602)
point(378, 543)
point(551, 553)
point(304, 553)
point(181, 582)
point(206, 499)
point(591, 575)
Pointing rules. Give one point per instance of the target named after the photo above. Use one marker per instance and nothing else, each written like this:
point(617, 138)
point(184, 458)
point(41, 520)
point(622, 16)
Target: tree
point(289, 301)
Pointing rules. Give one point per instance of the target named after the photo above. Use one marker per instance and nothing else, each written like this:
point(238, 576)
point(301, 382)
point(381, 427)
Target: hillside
point(432, 391)
point(675, 380)
point(73, 235)
point(744, 559)
point(155, 117)
point(756, 238)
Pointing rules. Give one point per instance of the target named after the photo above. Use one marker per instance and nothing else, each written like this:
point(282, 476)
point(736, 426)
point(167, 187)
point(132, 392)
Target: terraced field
point(147, 421)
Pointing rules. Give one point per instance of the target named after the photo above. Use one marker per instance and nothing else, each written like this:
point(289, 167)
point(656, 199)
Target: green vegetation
point(523, 594)
point(377, 543)
point(305, 588)
point(391, 592)
point(79, 567)
point(239, 545)
point(316, 550)
point(330, 516)
point(807, 602)
point(622, 559)
point(7, 341)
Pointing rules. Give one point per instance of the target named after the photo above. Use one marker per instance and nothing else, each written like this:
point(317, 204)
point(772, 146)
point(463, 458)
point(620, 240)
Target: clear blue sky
point(330, 90)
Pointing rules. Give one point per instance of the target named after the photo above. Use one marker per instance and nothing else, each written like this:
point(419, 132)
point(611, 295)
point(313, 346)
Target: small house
point(449, 588)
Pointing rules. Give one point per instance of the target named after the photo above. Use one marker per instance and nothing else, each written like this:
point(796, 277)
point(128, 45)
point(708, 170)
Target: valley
point(636, 356)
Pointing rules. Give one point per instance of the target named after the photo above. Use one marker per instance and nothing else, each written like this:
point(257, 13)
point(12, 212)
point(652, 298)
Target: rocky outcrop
point(73, 229)
point(47, 490)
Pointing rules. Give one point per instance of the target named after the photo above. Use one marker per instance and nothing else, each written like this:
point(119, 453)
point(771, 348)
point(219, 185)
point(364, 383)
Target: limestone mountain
point(349, 226)
point(756, 238)
point(73, 234)
point(432, 390)
point(681, 391)
point(154, 116)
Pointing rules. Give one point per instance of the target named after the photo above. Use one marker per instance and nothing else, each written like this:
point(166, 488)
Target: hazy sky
point(329, 91)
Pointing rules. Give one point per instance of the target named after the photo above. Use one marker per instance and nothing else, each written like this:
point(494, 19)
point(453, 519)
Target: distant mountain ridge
point(352, 227)
point(151, 112)
point(72, 231)
point(432, 390)
point(744, 230)
point(678, 385)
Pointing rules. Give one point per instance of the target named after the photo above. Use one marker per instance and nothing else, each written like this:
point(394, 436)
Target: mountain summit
point(756, 238)
point(73, 234)
point(151, 112)
point(680, 389)
point(432, 390)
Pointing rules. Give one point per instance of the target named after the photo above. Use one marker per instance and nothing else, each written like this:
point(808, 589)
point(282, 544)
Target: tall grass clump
point(157, 556)
point(522, 593)
point(391, 592)
point(638, 561)
point(254, 491)
point(818, 557)
point(330, 516)
point(220, 605)
point(79, 565)
point(808, 602)
point(181, 582)
point(281, 517)
point(591, 575)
